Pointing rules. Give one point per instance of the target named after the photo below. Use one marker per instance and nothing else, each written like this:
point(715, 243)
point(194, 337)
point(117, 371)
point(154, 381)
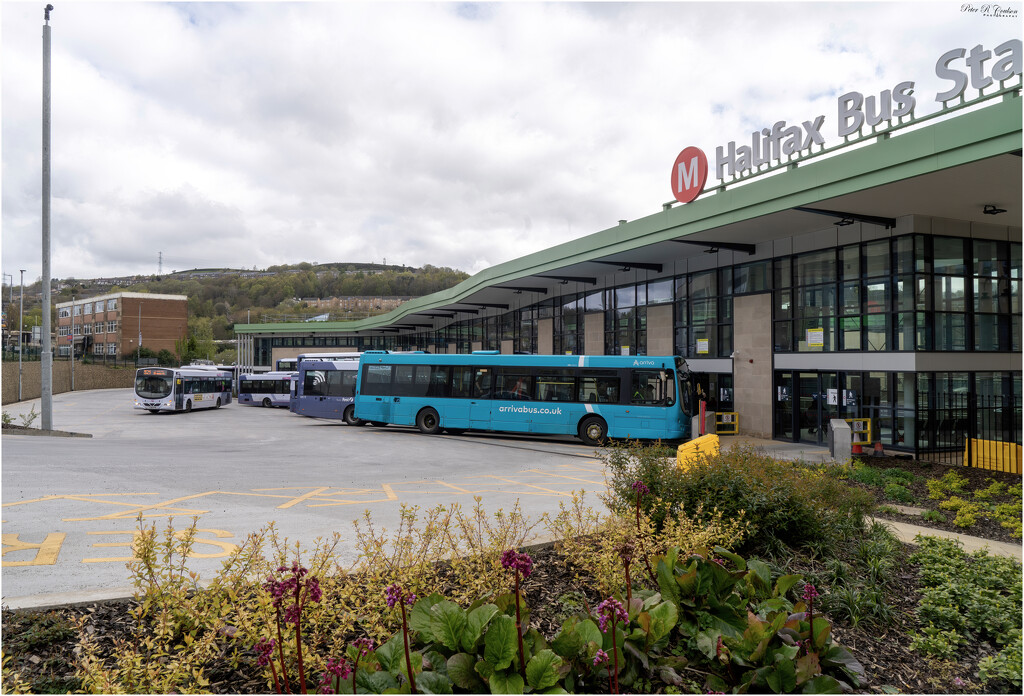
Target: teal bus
point(591, 397)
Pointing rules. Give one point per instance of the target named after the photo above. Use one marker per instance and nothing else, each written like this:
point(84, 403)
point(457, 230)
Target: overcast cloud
point(452, 134)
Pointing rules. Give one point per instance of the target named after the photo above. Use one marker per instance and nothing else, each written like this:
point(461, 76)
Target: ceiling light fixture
point(844, 222)
point(990, 209)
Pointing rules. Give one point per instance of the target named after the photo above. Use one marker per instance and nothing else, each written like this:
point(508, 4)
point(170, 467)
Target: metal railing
point(971, 430)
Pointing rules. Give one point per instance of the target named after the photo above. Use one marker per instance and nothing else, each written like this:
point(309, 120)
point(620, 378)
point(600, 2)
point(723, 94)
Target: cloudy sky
point(452, 134)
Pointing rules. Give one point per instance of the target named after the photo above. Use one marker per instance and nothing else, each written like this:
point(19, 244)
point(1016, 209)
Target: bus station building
point(878, 277)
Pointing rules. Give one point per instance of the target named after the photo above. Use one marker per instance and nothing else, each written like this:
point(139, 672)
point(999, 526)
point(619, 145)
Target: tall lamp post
point(72, 341)
point(138, 354)
point(21, 329)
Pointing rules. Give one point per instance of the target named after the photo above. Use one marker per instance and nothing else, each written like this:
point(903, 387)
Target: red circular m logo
point(689, 173)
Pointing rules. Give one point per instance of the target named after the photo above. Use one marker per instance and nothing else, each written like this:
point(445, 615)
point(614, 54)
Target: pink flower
point(517, 561)
point(264, 651)
point(600, 656)
point(641, 487)
point(395, 594)
point(611, 608)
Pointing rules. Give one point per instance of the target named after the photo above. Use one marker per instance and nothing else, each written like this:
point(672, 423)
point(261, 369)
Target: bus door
point(554, 392)
point(480, 403)
point(649, 392)
point(375, 388)
point(179, 388)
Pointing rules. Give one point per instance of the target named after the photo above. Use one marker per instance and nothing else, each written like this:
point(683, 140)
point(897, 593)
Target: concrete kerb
point(37, 432)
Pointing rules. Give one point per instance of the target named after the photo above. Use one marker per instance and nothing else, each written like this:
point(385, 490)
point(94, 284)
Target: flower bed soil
point(977, 479)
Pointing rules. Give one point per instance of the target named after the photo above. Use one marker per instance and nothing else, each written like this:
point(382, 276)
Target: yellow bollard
point(706, 444)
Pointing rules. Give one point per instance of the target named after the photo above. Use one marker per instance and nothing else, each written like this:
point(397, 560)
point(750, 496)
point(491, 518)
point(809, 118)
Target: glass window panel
point(949, 294)
point(1015, 297)
point(815, 335)
point(681, 284)
point(705, 341)
point(1015, 252)
point(905, 254)
point(905, 330)
point(986, 258)
point(849, 333)
point(625, 297)
point(783, 304)
point(556, 385)
point(783, 273)
point(949, 255)
point(924, 331)
point(849, 260)
point(816, 267)
point(876, 331)
point(986, 295)
point(876, 258)
point(851, 298)
point(599, 386)
point(816, 301)
point(783, 336)
point(725, 309)
point(595, 301)
point(725, 281)
point(986, 332)
point(924, 295)
point(877, 297)
point(705, 311)
point(921, 263)
point(752, 277)
point(904, 295)
point(703, 285)
point(659, 292)
point(724, 340)
point(950, 331)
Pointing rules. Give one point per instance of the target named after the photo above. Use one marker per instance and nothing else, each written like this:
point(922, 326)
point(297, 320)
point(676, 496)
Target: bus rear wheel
point(266, 402)
point(350, 417)
point(218, 402)
point(593, 431)
point(428, 422)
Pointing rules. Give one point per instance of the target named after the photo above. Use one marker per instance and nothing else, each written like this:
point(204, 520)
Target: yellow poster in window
point(816, 338)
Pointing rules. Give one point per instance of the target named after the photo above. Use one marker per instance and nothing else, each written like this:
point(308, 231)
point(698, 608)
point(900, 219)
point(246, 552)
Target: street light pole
point(21, 329)
point(72, 341)
point(46, 350)
point(138, 354)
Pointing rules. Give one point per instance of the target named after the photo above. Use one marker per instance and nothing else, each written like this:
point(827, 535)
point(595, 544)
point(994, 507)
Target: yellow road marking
point(45, 555)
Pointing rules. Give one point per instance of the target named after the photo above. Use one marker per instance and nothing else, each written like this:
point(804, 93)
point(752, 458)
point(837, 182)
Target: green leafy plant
point(951, 482)
point(899, 493)
point(933, 516)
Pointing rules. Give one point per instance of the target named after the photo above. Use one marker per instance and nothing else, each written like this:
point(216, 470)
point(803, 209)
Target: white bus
point(181, 389)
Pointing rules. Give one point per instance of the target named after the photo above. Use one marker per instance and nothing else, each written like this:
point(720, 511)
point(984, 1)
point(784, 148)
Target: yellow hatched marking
point(84, 497)
point(389, 491)
point(550, 491)
point(46, 553)
point(137, 509)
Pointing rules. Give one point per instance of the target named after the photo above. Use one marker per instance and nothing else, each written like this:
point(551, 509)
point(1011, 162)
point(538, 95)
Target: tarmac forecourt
point(71, 505)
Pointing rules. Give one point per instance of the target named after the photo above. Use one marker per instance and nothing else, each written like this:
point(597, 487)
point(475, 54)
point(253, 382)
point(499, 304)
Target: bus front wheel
point(593, 431)
point(188, 406)
point(154, 410)
point(266, 402)
point(428, 422)
point(350, 417)
point(218, 402)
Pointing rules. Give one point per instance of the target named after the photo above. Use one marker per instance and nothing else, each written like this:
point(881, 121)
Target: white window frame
point(77, 311)
point(111, 305)
point(111, 349)
point(111, 327)
point(64, 312)
point(98, 348)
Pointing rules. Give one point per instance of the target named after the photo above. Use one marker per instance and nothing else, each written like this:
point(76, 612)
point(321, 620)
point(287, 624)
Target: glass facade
point(914, 293)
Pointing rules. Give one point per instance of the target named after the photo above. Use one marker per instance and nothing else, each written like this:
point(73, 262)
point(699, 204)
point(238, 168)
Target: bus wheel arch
point(428, 421)
point(593, 430)
point(349, 416)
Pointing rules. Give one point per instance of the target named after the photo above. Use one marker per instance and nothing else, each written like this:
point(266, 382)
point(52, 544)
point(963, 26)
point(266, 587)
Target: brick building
point(114, 324)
